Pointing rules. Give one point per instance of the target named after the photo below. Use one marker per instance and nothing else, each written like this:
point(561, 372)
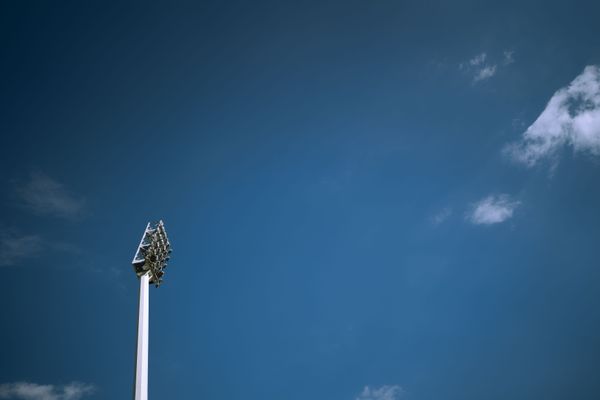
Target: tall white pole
point(149, 262)
point(141, 363)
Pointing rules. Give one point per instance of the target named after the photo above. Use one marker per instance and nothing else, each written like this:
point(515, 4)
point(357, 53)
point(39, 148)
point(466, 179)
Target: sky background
point(367, 200)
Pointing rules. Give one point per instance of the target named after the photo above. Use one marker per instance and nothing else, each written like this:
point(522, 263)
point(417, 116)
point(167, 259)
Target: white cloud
point(485, 73)
point(15, 248)
point(478, 68)
point(386, 392)
point(43, 195)
point(492, 210)
point(571, 118)
point(441, 216)
point(481, 68)
point(34, 391)
point(478, 59)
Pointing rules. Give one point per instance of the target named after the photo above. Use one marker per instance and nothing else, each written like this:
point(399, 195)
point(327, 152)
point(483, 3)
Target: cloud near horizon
point(34, 391)
point(45, 196)
point(571, 118)
point(386, 392)
point(493, 209)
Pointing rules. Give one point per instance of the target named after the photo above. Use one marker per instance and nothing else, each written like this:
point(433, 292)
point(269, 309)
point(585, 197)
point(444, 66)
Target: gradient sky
point(367, 200)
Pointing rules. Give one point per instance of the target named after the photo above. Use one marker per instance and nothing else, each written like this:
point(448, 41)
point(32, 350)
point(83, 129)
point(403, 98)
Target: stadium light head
point(153, 253)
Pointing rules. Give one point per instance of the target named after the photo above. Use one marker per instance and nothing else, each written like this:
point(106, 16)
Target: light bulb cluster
point(153, 253)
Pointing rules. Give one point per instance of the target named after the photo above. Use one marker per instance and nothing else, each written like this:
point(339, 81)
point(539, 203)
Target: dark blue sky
point(367, 200)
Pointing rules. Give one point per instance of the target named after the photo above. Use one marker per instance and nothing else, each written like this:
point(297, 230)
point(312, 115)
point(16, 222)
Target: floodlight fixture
point(153, 252)
point(149, 263)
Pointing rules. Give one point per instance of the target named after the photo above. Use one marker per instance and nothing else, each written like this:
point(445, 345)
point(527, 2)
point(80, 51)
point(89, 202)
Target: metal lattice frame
point(153, 253)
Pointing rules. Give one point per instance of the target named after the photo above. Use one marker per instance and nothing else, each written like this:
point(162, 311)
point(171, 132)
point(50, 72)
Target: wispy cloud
point(441, 216)
point(571, 118)
point(493, 209)
point(15, 248)
point(481, 68)
point(485, 73)
point(386, 392)
point(34, 391)
point(45, 196)
point(478, 60)
point(508, 57)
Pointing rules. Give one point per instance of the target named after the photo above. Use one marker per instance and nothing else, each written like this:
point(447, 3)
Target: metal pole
point(141, 362)
point(149, 262)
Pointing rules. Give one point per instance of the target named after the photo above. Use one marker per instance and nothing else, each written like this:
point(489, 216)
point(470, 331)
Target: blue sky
point(367, 200)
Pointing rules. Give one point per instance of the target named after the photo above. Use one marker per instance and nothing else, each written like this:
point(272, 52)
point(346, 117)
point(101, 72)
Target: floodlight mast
point(149, 263)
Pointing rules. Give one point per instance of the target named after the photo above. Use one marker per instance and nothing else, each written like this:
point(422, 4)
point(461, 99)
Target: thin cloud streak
point(34, 391)
point(15, 248)
point(571, 118)
point(492, 210)
point(45, 196)
point(386, 392)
